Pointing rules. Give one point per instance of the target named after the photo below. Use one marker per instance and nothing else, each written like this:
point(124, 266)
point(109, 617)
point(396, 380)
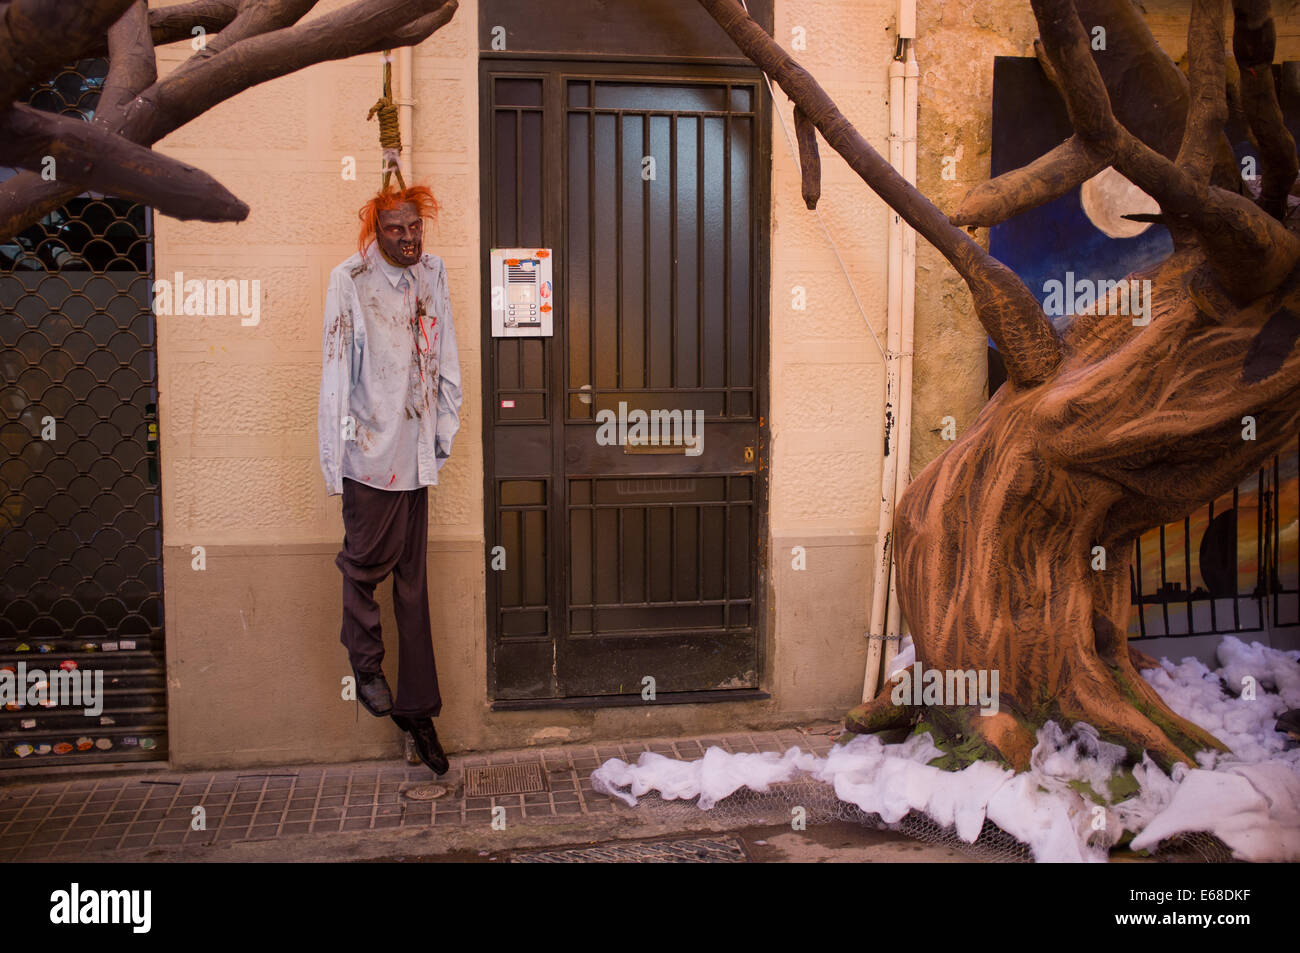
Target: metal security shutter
point(80, 515)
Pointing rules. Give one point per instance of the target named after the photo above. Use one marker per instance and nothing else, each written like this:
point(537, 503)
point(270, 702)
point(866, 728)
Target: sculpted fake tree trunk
point(1110, 429)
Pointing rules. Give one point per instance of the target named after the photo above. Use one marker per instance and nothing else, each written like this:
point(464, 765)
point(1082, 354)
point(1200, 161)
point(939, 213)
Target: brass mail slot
point(654, 448)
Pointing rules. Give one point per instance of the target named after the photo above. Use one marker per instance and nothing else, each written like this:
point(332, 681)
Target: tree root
point(1115, 700)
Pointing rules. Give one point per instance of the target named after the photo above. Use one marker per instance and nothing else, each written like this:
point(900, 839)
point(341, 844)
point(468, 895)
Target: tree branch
point(1045, 179)
point(1148, 95)
point(172, 24)
point(132, 66)
point(1249, 252)
point(1009, 312)
point(39, 36)
point(101, 161)
point(253, 19)
point(1208, 109)
point(361, 27)
point(810, 163)
point(1254, 39)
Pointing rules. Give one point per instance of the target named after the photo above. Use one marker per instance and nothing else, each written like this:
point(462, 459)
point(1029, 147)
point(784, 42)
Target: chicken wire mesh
point(748, 807)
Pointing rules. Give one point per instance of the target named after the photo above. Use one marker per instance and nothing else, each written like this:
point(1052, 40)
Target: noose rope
point(390, 126)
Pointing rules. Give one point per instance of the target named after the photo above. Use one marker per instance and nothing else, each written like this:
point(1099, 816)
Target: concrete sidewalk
point(364, 811)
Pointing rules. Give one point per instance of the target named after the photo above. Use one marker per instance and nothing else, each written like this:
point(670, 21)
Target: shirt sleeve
point(335, 381)
point(449, 393)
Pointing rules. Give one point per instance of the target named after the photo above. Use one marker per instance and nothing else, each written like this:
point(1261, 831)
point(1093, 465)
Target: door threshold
point(633, 701)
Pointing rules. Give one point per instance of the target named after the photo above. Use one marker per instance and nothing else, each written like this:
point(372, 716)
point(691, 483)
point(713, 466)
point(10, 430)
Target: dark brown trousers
point(387, 531)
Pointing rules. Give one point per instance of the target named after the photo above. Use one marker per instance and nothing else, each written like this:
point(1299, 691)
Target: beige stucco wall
point(254, 664)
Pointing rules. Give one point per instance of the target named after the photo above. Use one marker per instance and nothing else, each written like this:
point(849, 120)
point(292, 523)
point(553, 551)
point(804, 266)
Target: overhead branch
point(1254, 42)
point(185, 21)
point(172, 24)
point(1208, 109)
point(359, 28)
point(1045, 179)
point(1249, 252)
point(37, 37)
point(1148, 95)
point(255, 17)
point(132, 66)
point(1009, 312)
point(96, 160)
point(810, 163)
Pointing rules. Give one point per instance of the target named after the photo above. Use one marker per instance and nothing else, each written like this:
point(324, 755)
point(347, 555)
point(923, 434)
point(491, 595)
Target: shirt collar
point(392, 272)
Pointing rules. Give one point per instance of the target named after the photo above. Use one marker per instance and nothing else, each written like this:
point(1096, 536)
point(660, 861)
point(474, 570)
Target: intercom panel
point(523, 298)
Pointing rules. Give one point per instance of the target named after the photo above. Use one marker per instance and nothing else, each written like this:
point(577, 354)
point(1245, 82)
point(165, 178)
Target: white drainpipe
point(405, 96)
point(898, 362)
point(911, 82)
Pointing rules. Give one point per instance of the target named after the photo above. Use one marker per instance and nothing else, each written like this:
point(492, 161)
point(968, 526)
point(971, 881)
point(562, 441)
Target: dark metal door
point(629, 562)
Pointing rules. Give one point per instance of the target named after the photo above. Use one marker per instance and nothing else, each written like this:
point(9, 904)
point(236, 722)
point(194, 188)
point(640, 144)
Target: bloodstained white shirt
point(390, 378)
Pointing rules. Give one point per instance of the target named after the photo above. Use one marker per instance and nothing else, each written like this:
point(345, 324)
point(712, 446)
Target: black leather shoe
point(426, 742)
point(373, 692)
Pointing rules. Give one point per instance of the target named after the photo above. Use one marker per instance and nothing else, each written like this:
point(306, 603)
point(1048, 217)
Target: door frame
point(555, 227)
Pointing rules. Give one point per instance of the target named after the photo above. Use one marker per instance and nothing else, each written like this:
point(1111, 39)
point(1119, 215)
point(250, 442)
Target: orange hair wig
point(421, 196)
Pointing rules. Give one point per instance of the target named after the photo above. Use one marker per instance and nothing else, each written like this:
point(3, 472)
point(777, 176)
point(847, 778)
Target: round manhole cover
point(423, 792)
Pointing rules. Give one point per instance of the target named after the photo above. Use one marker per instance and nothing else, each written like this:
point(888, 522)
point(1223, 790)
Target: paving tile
point(89, 817)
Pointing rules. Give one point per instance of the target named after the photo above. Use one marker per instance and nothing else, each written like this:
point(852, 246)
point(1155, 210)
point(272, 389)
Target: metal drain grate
point(495, 779)
point(695, 850)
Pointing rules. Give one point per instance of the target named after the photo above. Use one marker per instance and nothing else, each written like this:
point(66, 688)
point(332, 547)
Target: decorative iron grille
point(80, 520)
point(1231, 567)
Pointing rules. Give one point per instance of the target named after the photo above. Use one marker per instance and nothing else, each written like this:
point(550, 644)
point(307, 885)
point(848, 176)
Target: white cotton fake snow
point(1250, 799)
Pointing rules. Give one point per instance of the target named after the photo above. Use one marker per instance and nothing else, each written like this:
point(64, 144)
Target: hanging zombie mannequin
point(389, 408)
